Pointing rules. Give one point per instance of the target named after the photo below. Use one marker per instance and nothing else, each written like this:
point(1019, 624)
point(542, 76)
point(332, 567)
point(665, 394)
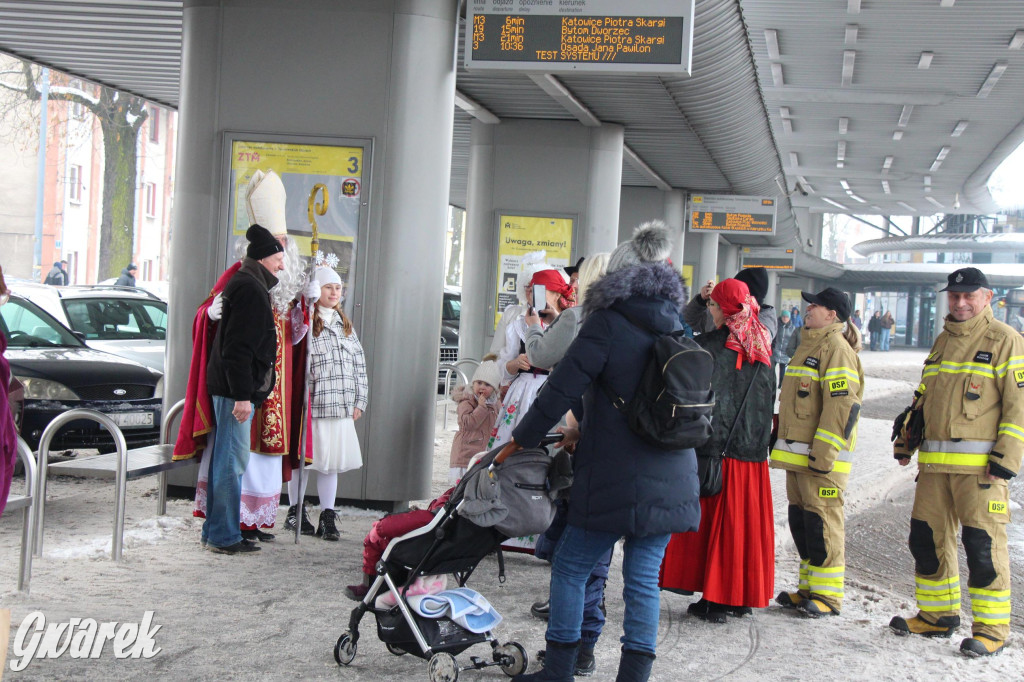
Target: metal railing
point(28, 514)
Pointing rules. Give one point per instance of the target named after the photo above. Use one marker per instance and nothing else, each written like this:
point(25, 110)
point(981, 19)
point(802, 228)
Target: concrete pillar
point(941, 310)
point(772, 297)
point(600, 231)
point(402, 98)
point(675, 218)
point(542, 168)
point(707, 266)
point(729, 257)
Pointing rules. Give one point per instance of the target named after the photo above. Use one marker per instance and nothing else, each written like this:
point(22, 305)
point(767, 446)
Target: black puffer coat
point(754, 427)
point(621, 485)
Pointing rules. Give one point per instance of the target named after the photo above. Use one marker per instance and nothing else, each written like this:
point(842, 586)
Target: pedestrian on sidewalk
point(875, 330)
point(887, 324)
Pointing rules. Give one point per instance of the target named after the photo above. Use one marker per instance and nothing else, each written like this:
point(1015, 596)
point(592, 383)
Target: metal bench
point(24, 503)
point(122, 465)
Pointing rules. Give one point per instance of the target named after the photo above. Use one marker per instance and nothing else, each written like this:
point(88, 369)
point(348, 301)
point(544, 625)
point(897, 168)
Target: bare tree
point(120, 116)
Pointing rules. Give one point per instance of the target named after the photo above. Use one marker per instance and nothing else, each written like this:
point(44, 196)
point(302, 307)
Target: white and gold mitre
point(265, 202)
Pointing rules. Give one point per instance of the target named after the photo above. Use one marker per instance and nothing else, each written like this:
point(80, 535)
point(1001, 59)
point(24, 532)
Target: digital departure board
point(646, 36)
point(729, 213)
point(770, 259)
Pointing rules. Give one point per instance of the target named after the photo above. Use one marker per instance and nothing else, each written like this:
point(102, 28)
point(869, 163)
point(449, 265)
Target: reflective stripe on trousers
point(990, 606)
point(826, 581)
point(796, 453)
point(938, 596)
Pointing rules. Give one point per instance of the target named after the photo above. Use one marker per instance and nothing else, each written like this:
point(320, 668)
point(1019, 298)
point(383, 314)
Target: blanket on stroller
point(468, 608)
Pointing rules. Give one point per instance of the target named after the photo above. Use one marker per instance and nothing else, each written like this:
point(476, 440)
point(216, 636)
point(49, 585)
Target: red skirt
point(731, 557)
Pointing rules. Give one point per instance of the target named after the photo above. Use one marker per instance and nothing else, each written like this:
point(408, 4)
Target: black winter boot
point(326, 528)
point(292, 518)
point(634, 666)
point(559, 662)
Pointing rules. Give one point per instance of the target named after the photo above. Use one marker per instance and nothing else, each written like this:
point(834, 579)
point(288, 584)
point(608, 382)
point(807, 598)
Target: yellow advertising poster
point(301, 166)
point(688, 276)
point(520, 235)
point(790, 298)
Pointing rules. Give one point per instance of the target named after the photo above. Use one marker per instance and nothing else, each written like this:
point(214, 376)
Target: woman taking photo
point(818, 411)
point(731, 557)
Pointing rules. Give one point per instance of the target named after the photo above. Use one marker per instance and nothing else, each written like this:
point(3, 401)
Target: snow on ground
point(278, 613)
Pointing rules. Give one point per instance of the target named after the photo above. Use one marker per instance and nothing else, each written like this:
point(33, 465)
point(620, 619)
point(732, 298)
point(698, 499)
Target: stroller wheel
point(397, 651)
point(512, 658)
point(345, 649)
point(443, 667)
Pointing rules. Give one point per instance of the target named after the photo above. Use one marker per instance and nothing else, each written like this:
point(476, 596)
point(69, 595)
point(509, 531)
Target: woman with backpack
point(731, 557)
point(623, 487)
point(818, 411)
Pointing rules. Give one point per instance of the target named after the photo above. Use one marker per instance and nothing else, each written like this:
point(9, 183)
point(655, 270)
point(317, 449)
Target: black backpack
point(671, 407)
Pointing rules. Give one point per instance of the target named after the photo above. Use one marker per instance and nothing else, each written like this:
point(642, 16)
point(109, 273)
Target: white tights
point(326, 487)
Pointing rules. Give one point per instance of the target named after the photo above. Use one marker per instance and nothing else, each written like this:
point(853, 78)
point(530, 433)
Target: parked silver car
point(123, 321)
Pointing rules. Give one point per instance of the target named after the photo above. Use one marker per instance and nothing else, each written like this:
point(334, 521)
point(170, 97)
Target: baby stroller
point(495, 500)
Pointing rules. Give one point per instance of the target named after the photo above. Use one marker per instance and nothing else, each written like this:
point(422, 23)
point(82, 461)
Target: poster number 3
point(353, 164)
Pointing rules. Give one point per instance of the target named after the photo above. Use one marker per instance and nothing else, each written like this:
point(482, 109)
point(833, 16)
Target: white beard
point(291, 281)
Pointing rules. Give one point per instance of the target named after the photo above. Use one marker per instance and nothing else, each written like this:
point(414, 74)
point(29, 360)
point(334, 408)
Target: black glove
point(897, 423)
point(999, 470)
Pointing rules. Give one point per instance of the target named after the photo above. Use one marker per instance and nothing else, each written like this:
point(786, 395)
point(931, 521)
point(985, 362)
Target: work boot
point(943, 627)
point(789, 600)
point(290, 520)
point(326, 527)
point(559, 664)
point(816, 608)
point(358, 592)
point(634, 666)
point(541, 609)
point(981, 645)
point(707, 610)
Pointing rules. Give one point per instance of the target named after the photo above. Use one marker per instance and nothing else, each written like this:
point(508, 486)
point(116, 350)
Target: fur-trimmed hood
point(649, 280)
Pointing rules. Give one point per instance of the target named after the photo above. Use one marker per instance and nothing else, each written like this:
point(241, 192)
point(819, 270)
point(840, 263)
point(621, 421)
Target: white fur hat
point(488, 373)
point(650, 244)
point(265, 201)
point(324, 275)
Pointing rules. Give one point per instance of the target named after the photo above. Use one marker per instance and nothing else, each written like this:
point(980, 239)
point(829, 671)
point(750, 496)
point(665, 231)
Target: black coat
point(754, 427)
point(241, 364)
point(875, 324)
point(127, 279)
point(621, 484)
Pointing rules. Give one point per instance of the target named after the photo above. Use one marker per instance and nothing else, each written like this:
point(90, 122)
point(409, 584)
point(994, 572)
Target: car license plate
point(132, 420)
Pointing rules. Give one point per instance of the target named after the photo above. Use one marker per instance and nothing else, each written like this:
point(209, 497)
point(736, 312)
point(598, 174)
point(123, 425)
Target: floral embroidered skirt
point(261, 490)
point(521, 394)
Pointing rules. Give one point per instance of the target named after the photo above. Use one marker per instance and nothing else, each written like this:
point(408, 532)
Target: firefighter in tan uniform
point(818, 411)
point(967, 424)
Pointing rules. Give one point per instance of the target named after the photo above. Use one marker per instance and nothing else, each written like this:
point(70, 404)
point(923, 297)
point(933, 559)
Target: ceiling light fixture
point(887, 164)
point(961, 126)
point(897, 135)
point(851, 34)
point(885, 187)
point(933, 201)
point(834, 203)
point(905, 115)
point(993, 77)
point(853, 6)
point(946, 3)
point(907, 206)
point(841, 151)
point(1017, 41)
point(787, 125)
point(845, 185)
point(777, 75)
point(927, 183)
point(771, 41)
point(784, 112)
point(844, 125)
point(856, 198)
point(794, 160)
point(925, 60)
point(849, 56)
point(840, 164)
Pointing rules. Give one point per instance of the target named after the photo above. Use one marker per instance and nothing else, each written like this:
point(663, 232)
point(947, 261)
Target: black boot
point(326, 528)
point(585, 662)
point(634, 666)
point(290, 520)
point(559, 662)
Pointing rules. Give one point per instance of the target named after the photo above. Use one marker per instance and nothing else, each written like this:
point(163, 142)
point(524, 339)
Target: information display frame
point(581, 36)
point(732, 214)
point(768, 258)
point(303, 161)
point(518, 233)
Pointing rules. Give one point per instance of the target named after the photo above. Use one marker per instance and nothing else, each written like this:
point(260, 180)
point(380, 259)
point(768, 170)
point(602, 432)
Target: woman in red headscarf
point(523, 379)
point(731, 557)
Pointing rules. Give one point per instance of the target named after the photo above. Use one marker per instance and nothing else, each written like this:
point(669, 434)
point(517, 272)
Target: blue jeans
point(577, 553)
point(593, 597)
point(885, 339)
point(228, 459)
point(876, 338)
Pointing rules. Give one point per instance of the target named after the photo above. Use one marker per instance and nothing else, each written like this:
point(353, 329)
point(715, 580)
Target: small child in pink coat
point(478, 406)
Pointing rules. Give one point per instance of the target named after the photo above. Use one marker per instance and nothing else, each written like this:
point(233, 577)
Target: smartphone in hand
point(539, 297)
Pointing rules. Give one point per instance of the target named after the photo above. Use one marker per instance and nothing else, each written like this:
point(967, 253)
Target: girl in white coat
point(338, 395)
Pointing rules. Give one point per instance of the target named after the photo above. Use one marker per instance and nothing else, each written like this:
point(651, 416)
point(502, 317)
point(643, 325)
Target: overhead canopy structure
point(886, 108)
